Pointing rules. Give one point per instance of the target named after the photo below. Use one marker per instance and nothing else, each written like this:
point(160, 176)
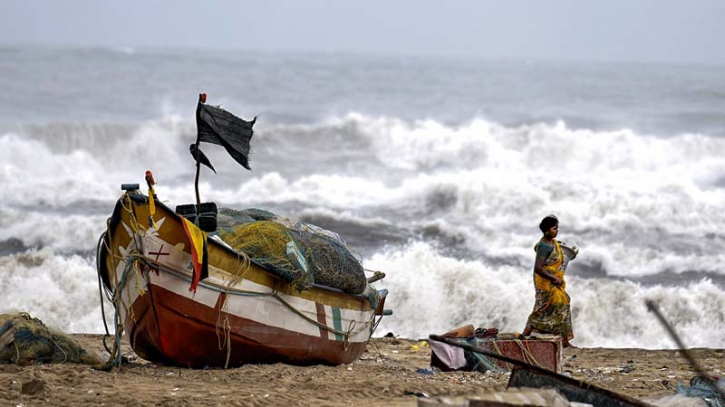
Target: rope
point(375, 324)
point(115, 357)
point(498, 351)
point(377, 349)
point(65, 355)
point(118, 301)
point(346, 335)
point(117, 294)
point(227, 332)
point(126, 200)
point(101, 240)
point(526, 352)
point(237, 276)
point(346, 341)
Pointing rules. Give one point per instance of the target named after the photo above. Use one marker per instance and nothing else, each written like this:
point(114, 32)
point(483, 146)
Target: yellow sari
point(552, 313)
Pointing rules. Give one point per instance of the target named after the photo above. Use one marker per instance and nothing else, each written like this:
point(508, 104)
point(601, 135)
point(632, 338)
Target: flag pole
point(202, 99)
point(196, 180)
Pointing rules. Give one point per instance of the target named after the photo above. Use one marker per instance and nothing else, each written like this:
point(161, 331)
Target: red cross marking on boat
point(159, 253)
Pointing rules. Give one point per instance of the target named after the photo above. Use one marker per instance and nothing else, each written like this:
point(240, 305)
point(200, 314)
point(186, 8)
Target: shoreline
point(386, 375)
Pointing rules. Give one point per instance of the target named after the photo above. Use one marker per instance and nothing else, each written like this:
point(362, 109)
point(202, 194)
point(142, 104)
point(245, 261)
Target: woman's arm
point(539, 269)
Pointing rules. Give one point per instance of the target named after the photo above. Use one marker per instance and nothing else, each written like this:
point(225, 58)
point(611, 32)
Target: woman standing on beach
point(552, 314)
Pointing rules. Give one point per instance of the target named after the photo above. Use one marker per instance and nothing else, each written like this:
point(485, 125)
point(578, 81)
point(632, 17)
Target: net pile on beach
point(25, 340)
point(301, 253)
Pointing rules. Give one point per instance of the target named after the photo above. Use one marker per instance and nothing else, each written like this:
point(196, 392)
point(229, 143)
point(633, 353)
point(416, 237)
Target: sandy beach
point(386, 375)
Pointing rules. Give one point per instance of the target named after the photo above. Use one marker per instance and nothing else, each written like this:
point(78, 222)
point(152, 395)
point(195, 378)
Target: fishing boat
point(237, 313)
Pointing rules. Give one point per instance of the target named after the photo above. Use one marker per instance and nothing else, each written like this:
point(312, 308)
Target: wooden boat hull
point(240, 314)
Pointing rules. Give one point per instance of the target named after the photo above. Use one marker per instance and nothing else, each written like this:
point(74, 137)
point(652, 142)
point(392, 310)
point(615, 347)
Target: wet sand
point(384, 376)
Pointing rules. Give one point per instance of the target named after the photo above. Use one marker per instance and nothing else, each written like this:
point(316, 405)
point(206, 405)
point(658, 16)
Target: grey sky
point(690, 31)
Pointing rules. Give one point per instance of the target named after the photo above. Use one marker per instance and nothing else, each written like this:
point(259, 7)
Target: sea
point(435, 171)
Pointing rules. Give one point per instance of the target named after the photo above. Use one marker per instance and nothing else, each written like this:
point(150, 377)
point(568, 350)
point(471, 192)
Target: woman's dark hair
point(548, 222)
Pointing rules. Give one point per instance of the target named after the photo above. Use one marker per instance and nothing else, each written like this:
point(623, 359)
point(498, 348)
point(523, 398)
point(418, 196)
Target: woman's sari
point(552, 314)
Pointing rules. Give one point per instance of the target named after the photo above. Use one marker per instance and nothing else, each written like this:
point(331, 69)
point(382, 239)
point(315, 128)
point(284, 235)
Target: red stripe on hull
point(321, 318)
point(176, 330)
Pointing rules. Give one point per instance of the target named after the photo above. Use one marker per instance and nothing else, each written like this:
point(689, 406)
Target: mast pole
point(202, 99)
point(196, 180)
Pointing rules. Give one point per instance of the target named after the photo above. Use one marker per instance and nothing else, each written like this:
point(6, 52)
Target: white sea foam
point(60, 290)
point(432, 294)
point(628, 198)
point(346, 216)
point(65, 233)
point(34, 173)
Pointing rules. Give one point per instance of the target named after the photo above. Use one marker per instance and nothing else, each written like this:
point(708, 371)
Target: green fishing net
point(298, 252)
point(25, 340)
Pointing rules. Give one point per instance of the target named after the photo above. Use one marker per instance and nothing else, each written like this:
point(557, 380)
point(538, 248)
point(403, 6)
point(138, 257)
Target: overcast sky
point(687, 31)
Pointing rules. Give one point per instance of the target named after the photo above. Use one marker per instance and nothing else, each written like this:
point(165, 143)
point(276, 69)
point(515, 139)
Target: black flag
point(202, 158)
point(217, 126)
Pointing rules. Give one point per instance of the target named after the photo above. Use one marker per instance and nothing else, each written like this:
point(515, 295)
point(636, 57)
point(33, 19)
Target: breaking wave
point(432, 293)
point(449, 212)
